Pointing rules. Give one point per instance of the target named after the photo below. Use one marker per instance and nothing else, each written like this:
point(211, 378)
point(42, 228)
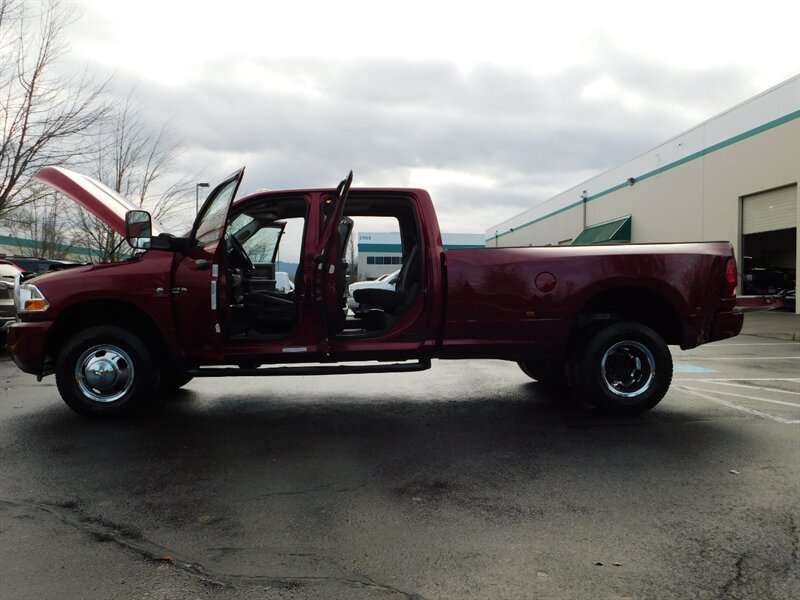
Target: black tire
point(623, 368)
point(549, 373)
point(171, 380)
point(107, 371)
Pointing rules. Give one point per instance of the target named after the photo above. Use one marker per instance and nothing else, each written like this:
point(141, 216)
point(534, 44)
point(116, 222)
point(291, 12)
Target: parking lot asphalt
point(465, 481)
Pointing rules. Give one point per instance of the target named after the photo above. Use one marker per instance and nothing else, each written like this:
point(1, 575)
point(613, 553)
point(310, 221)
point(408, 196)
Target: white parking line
point(787, 343)
point(783, 402)
point(746, 409)
point(792, 379)
point(754, 387)
point(746, 357)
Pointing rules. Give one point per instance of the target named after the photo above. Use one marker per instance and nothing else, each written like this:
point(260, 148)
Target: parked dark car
point(36, 264)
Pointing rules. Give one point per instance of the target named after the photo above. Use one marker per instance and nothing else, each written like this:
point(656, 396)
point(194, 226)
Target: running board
point(422, 365)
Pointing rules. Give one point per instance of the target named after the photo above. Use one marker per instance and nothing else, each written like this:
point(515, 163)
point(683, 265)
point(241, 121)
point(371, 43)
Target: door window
point(212, 224)
point(262, 246)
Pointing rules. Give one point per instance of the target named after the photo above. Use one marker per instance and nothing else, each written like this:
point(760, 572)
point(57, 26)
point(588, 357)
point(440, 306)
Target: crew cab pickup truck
point(595, 320)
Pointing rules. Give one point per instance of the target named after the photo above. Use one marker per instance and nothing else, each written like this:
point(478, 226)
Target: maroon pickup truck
point(596, 320)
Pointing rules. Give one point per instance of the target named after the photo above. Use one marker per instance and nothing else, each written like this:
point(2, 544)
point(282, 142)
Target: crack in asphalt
point(795, 533)
point(735, 581)
point(326, 487)
point(131, 539)
point(319, 488)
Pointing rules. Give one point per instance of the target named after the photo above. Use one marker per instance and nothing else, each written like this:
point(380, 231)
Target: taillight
point(730, 279)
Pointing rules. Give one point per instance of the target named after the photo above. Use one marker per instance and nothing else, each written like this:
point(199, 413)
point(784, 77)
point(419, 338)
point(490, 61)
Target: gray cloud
point(383, 118)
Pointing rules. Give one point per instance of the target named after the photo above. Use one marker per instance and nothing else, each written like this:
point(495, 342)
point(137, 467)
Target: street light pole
point(197, 196)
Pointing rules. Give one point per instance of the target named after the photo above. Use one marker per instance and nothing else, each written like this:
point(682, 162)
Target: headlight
point(28, 298)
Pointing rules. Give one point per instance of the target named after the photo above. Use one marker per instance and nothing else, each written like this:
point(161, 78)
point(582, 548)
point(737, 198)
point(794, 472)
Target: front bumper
point(27, 344)
point(7, 315)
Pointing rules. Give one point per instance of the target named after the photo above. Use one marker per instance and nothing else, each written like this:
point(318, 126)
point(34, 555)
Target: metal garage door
point(770, 211)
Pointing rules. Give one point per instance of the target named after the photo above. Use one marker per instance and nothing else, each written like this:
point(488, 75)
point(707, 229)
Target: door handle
point(202, 264)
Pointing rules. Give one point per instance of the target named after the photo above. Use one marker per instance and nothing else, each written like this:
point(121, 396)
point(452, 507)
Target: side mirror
point(138, 229)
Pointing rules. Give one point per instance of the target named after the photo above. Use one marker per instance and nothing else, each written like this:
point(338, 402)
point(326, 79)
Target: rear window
point(31, 264)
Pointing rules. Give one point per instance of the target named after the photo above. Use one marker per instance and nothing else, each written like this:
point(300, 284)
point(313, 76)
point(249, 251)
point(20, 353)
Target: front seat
point(396, 302)
point(270, 312)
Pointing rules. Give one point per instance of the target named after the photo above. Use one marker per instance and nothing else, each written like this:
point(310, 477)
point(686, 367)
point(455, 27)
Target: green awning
point(618, 230)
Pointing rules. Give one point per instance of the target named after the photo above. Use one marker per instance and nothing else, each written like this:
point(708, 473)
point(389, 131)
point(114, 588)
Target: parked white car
point(283, 284)
point(8, 271)
point(8, 314)
point(384, 282)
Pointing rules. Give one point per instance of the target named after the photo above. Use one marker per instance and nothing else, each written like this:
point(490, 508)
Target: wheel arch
point(639, 304)
point(115, 313)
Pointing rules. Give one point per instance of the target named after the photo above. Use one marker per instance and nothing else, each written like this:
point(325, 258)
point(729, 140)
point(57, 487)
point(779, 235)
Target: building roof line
point(681, 161)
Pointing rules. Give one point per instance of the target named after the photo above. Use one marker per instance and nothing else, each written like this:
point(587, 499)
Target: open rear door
point(331, 279)
point(197, 290)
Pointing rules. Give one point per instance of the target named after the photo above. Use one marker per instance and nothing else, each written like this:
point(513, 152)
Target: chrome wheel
point(104, 373)
point(628, 369)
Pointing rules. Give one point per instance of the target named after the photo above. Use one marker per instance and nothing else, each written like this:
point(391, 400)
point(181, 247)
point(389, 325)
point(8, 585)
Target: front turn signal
point(36, 305)
point(28, 299)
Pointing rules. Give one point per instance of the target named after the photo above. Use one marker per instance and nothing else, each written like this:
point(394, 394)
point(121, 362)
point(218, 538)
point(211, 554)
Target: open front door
point(198, 288)
point(331, 279)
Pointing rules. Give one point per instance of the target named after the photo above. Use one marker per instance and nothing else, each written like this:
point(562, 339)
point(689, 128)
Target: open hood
point(100, 200)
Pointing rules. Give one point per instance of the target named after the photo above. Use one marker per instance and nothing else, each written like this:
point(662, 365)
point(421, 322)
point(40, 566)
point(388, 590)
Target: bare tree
point(102, 241)
point(41, 223)
point(44, 116)
point(134, 160)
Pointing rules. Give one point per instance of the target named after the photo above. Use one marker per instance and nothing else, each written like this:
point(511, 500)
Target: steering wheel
point(237, 256)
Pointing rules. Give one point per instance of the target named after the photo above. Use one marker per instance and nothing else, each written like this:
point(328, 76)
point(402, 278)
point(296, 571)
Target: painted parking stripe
point(687, 368)
point(717, 345)
point(792, 379)
point(746, 409)
point(783, 402)
point(746, 357)
point(754, 387)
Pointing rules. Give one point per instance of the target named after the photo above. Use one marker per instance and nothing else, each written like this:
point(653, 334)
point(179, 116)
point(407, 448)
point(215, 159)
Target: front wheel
point(107, 371)
point(624, 368)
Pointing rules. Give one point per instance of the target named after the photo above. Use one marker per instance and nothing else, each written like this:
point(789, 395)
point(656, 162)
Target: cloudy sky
point(493, 107)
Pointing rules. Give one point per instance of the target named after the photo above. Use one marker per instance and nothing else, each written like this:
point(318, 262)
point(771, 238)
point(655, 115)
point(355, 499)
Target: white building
point(380, 253)
point(733, 177)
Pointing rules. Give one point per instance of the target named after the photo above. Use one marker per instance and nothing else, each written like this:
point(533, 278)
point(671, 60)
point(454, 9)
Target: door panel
point(199, 280)
point(199, 299)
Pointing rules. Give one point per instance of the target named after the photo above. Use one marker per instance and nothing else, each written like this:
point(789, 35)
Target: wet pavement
point(465, 481)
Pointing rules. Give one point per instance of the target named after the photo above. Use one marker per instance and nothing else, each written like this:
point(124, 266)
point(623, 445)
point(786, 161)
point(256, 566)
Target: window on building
point(370, 260)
